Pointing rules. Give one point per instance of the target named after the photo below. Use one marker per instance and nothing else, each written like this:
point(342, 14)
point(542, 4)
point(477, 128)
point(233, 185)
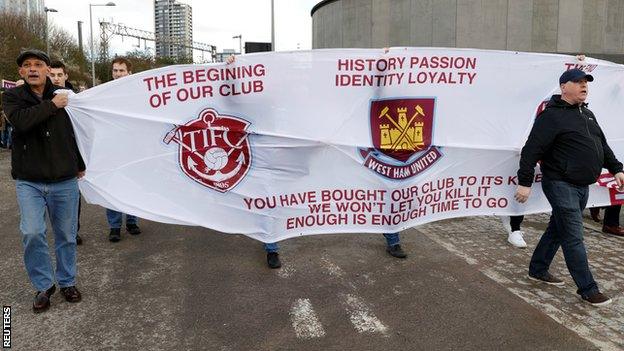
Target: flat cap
point(33, 53)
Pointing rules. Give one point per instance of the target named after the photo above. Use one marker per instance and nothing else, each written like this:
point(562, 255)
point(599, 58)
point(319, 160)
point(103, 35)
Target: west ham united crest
point(213, 149)
point(402, 131)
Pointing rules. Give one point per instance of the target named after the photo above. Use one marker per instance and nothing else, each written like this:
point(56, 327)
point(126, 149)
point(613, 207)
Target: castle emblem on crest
point(213, 149)
point(401, 131)
point(402, 134)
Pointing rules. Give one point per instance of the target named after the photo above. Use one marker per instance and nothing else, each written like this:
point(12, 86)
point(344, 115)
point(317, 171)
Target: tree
point(17, 32)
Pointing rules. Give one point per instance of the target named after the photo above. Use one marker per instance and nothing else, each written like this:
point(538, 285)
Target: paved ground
point(473, 240)
point(188, 288)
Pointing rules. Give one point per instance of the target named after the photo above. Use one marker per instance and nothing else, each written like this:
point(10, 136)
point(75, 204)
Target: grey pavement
point(188, 288)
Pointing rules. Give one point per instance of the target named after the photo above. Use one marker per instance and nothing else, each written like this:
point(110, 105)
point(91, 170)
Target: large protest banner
point(308, 142)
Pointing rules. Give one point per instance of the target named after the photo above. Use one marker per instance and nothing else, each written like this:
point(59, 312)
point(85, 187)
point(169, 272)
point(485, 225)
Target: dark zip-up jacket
point(70, 86)
point(44, 146)
point(570, 143)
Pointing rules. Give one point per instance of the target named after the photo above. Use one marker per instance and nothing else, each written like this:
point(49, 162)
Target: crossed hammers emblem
point(403, 130)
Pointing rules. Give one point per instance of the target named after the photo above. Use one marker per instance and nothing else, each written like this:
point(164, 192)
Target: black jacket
point(44, 146)
point(70, 86)
point(570, 143)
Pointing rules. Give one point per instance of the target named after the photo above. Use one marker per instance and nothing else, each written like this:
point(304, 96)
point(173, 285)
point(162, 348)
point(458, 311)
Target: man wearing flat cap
point(573, 150)
point(45, 164)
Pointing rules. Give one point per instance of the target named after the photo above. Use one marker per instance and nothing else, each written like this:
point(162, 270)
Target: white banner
point(286, 144)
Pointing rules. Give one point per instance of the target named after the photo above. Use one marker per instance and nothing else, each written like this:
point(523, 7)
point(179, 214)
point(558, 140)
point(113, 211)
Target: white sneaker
point(506, 221)
point(517, 239)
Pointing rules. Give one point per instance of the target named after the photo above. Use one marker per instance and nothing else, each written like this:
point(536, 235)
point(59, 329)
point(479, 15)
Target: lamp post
point(240, 43)
point(272, 25)
point(80, 36)
point(91, 24)
point(47, 36)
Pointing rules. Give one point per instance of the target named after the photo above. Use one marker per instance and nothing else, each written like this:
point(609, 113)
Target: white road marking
point(450, 247)
point(331, 268)
point(286, 272)
point(304, 320)
point(359, 313)
point(361, 316)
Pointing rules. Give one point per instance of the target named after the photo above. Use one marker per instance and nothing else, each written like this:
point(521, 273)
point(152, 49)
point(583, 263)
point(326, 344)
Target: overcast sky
point(214, 22)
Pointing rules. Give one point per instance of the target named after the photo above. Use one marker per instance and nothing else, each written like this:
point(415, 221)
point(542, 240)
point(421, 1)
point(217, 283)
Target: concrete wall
point(593, 27)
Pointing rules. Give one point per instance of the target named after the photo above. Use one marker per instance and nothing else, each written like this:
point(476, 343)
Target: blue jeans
point(565, 229)
point(391, 239)
point(271, 247)
point(5, 136)
point(115, 218)
point(61, 202)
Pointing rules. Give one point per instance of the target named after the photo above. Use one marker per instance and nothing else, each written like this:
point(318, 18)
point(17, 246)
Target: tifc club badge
point(213, 149)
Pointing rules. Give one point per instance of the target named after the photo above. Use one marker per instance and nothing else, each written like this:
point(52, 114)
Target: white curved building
point(592, 27)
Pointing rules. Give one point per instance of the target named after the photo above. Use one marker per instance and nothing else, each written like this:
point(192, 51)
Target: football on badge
point(213, 149)
point(215, 159)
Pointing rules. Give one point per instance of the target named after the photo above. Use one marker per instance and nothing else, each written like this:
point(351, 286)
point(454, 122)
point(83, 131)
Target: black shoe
point(42, 300)
point(114, 235)
point(71, 294)
point(273, 260)
point(547, 278)
point(597, 299)
point(133, 229)
point(396, 251)
point(78, 239)
point(594, 212)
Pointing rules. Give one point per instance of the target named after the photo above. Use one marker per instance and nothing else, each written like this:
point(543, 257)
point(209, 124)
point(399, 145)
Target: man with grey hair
point(45, 164)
